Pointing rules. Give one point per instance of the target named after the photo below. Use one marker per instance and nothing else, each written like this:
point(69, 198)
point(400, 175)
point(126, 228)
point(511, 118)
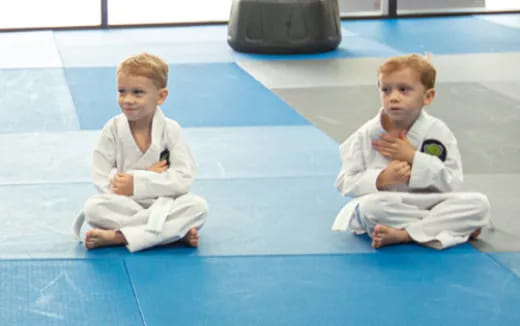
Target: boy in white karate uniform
point(402, 167)
point(142, 168)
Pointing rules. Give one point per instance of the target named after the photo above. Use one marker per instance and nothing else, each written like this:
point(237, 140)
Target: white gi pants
point(114, 212)
point(438, 220)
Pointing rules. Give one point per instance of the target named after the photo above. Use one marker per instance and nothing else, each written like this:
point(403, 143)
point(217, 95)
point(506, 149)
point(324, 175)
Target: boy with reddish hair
point(402, 168)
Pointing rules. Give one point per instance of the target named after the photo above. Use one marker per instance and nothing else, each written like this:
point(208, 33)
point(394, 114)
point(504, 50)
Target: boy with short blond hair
point(142, 168)
point(402, 168)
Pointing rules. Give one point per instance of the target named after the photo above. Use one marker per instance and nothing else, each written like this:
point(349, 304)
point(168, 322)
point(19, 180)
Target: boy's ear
point(163, 94)
point(430, 95)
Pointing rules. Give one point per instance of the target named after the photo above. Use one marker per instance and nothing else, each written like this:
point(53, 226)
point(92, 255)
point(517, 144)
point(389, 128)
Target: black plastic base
point(284, 26)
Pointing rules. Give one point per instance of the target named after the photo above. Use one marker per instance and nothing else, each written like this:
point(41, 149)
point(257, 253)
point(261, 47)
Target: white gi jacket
point(362, 164)
point(117, 151)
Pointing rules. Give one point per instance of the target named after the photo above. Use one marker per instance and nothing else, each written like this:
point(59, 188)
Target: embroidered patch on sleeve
point(435, 148)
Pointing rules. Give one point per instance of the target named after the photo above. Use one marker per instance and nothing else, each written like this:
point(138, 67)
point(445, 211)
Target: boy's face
point(138, 97)
point(403, 95)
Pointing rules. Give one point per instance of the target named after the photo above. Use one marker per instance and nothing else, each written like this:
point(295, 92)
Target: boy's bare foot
point(475, 233)
point(97, 238)
point(192, 238)
point(384, 235)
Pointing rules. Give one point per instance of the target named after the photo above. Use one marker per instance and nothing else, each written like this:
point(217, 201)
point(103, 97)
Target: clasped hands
point(401, 152)
point(123, 183)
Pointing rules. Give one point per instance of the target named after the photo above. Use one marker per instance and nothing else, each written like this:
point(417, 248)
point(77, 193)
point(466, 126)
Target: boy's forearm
point(148, 184)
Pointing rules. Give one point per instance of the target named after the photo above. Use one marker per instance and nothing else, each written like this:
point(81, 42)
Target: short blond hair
point(146, 65)
point(417, 63)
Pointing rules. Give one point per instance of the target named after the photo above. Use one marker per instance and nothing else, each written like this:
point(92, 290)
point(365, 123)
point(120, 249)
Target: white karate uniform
point(161, 209)
point(428, 208)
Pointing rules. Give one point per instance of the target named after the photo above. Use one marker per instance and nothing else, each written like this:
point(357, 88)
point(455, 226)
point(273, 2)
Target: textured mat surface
point(67, 292)
point(36, 100)
point(327, 290)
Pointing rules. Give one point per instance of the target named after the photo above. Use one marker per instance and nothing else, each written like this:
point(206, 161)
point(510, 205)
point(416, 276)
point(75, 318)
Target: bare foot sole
point(191, 238)
point(97, 238)
point(384, 235)
point(475, 233)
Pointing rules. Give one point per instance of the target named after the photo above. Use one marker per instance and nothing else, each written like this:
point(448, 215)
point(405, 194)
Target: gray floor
point(479, 102)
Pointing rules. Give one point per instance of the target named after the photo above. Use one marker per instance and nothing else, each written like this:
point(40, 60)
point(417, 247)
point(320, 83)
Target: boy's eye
point(137, 92)
point(385, 90)
point(404, 89)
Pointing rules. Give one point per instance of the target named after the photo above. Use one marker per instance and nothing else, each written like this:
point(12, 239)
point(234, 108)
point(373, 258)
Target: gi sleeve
point(104, 160)
point(431, 172)
point(355, 178)
point(173, 182)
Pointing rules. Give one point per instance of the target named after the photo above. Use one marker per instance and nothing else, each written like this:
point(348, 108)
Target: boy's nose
point(128, 98)
point(394, 96)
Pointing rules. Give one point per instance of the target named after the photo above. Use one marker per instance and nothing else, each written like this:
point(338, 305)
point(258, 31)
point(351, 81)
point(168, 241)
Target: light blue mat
point(37, 220)
point(61, 292)
point(202, 44)
point(35, 100)
point(247, 217)
point(201, 95)
point(256, 152)
point(510, 260)
point(235, 152)
point(265, 216)
point(195, 44)
point(326, 290)
point(28, 50)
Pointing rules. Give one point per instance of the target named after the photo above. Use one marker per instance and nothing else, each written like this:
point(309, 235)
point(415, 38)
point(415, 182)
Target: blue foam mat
point(326, 290)
point(202, 44)
point(61, 292)
point(256, 152)
point(36, 100)
point(438, 35)
point(201, 95)
point(247, 216)
point(351, 46)
point(37, 220)
point(251, 152)
point(194, 44)
point(273, 216)
point(266, 216)
point(510, 260)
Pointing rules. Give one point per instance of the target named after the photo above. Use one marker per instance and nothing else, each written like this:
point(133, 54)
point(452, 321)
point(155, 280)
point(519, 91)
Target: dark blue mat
point(326, 290)
point(65, 292)
point(201, 95)
point(438, 35)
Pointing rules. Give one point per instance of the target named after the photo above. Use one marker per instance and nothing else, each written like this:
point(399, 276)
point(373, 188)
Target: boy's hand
point(159, 167)
point(395, 148)
point(123, 184)
point(396, 173)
